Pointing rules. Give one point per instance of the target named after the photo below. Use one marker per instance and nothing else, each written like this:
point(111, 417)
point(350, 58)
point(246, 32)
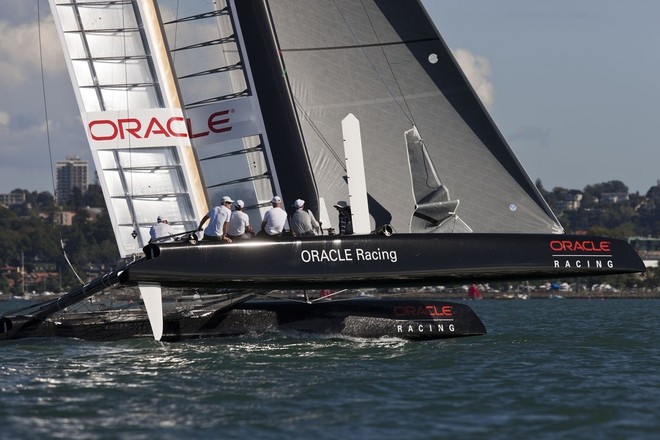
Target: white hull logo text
point(588, 263)
point(425, 328)
point(347, 255)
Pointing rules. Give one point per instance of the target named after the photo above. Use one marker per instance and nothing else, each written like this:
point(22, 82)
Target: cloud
point(19, 51)
point(4, 119)
point(477, 70)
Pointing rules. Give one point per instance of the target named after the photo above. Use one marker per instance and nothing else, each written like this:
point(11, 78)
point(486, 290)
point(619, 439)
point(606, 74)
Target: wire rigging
point(48, 140)
point(407, 112)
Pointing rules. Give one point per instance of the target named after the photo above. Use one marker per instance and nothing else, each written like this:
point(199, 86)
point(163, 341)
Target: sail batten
point(230, 39)
point(209, 14)
point(223, 69)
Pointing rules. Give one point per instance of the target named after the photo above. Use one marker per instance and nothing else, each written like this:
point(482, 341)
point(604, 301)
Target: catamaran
point(184, 102)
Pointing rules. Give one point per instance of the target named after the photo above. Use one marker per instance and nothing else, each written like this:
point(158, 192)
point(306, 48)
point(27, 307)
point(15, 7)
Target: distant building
point(614, 197)
point(64, 218)
point(12, 199)
point(92, 213)
point(648, 249)
point(71, 173)
point(571, 202)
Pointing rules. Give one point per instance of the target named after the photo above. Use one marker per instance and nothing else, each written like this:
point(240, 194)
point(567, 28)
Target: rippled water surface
point(574, 369)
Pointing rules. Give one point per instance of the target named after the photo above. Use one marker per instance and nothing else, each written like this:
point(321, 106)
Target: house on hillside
point(648, 249)
point(614, 197)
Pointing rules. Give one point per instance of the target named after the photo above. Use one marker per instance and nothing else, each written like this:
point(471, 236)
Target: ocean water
point(548, 369)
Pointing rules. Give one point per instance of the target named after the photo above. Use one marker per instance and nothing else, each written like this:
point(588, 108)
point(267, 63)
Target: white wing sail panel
point(132, 115)
point(165, 96)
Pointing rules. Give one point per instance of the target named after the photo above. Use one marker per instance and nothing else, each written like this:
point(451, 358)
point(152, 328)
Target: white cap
point(226, 199)
point(276, 199)
point(298, 203)
point(160, 218)
point(240, 203)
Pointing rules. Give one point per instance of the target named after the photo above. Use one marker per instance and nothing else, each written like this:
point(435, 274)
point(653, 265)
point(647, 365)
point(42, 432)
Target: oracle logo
point(175, 126)
point(417, 311)
point(579, 246)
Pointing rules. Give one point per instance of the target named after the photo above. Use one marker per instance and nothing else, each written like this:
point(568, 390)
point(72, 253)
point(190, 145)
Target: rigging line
point(373, 67)
point(176, 33)
point(43, 91)
point(130, 158)
point(319, 133)
point(66, 257)
point(48, 142)
point(389, 65)
point(129, 190)
point(361, 46)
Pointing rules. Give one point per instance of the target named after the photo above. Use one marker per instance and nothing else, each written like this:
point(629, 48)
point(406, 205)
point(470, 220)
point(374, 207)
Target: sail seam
point(360, 46)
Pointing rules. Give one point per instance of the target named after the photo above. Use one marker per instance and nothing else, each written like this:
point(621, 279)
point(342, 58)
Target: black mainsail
point(384, 61)
point(184, 102)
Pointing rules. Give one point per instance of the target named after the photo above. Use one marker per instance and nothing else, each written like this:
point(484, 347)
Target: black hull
point(377, 260)
point(414, 319)
point(325, 262)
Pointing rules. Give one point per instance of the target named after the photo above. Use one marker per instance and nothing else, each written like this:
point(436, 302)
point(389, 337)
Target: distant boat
point(318, 100)
point(474, 292)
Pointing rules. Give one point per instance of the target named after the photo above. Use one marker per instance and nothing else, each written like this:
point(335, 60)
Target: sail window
point(210, 68)
point(142, 184)
point(244, 173)
point(108, 55)
point(204, 52)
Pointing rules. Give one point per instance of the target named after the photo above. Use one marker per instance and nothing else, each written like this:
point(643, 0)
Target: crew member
point(219, 221)
point(274, 219)
point(345, 218)
point(303, 223)
point(239, 225)
point(162, 231)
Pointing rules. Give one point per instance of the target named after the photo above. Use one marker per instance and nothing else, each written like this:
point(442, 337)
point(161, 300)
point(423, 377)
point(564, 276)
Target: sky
point(573, 86)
